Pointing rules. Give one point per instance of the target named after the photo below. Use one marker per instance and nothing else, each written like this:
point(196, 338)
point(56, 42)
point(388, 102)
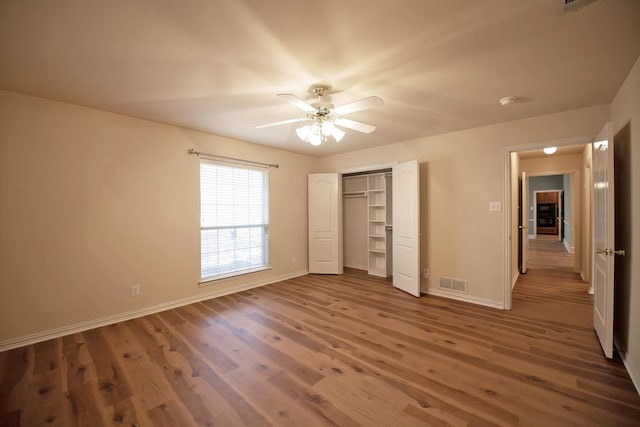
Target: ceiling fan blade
point(363, 104)
point(294, 100)
point(283, 122)
point(352, 124)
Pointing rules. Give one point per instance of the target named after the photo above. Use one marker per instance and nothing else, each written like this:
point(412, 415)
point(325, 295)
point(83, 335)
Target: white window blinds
point(233, 219)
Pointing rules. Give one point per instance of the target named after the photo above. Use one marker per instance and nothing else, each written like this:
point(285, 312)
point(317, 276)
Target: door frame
point(535, 201)
point(358, 169)
point(508, 238)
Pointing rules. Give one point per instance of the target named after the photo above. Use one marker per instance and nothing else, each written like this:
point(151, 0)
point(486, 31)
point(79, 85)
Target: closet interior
point(367, 211)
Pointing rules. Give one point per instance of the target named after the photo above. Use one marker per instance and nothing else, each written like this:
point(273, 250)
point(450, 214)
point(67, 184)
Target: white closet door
point(406, 227)
point(325, 223)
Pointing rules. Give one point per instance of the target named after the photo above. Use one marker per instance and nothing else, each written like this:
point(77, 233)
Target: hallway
point(550, 288)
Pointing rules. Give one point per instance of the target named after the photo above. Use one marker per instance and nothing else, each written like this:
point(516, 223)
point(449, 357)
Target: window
point(233, 219)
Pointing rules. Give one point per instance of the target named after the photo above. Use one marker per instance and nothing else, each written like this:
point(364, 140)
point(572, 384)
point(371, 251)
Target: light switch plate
point(495, 206)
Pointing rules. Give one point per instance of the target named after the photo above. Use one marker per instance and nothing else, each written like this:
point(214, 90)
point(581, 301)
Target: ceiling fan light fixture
point(337, 134)
point(327, 127)
point(315, 139)
point(303, 132)
point(550, 150)
point(322, 116)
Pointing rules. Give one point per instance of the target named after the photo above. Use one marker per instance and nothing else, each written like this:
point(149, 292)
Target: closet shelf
point(376, 206)
point(377, 236)
point(354, 194)
point(377, 251)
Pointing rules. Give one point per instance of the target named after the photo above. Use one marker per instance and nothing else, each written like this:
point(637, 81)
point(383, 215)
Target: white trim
point(208, 281)
point(506, 232)
point(634, 373)
point(369, 168)
point(532, 236)
point(535, 145)
point(108, 320)
point(515, 279)
point(463, 297)
point(570, 249)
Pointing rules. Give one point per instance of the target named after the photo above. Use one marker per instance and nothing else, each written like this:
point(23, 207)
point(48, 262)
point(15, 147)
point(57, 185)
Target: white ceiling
point(216, 65)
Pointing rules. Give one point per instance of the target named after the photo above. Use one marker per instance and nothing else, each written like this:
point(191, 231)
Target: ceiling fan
point(325, 117)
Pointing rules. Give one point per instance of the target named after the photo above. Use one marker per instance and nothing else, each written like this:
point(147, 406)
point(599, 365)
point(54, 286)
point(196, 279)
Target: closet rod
point(231, 159)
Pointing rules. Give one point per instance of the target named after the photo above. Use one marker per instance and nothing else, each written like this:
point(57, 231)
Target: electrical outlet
point(293, 260)
point(135, 290)
point(426, 273)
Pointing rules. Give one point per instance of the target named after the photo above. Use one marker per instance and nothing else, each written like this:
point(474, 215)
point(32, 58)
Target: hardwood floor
point(547, 253)
point(345, 350)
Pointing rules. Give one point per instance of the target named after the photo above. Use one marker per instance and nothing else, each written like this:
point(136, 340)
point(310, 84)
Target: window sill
point(207, 281)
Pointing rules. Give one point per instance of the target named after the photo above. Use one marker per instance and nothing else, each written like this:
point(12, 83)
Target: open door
point(524, 228)
point(561, 215)
point(406, 227)
point(603, 220)
point(325, 227)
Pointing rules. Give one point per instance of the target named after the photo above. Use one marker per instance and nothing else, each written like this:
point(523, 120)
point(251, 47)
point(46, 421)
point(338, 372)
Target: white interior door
point(524, 228)
point(406, 227)
point(603, 221)
point(559, 220)
point(325, 226)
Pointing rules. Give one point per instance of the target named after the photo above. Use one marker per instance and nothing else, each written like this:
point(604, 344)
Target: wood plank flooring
point(547, 253)
point(345, 350)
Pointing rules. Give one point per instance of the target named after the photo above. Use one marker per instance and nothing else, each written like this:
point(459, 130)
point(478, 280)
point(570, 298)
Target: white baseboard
point(515, 279)
point(357, 267)
point(634, 372)
point(532, 236)
point(570, 249)
point(464, 297)
point(108, 320)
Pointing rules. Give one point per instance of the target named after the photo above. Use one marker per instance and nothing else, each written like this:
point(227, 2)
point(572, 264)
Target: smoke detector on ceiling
point(507, 100)
point(574, 5)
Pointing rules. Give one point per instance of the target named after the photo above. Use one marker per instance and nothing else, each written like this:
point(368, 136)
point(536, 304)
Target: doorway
point(554, 214)
point(368, 221)
point(569, 237)
point(325, 206)
point(548, 210)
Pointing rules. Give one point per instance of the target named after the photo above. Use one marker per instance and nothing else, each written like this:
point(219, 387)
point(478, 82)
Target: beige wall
point(355, 232)
point(92, 203)
point(465, 171)
point(625, 108)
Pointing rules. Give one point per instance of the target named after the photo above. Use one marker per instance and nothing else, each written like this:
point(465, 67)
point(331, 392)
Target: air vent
point(459, 285)
point(451, 284)
point(445, 283)
point(573, 5)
